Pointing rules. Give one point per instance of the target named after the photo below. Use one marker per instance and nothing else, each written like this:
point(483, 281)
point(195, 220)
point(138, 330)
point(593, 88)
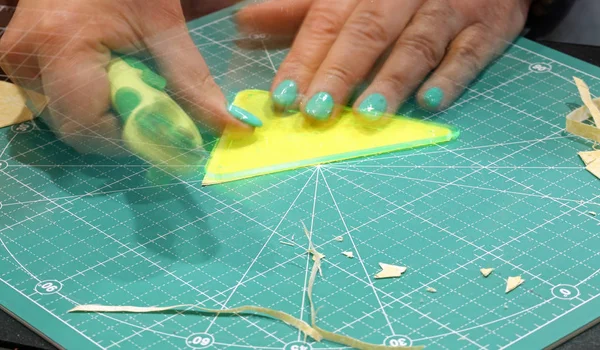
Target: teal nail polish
point(373, 106)
point(433, 97)
point(244, 116)
point(320, 106)
point(285, 94)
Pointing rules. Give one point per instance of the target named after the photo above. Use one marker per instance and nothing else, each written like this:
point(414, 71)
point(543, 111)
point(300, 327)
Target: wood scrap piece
point(339, 239)
point(390, 271)
point(349, 255)
point(486, 271)
point(589, 156)
point(586, 97)
point(592, 213)
point(431, 290)
point(512, 283)
point(18, 105)
point(594, 168)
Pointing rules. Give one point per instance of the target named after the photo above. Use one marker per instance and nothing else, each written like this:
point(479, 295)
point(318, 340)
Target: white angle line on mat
point(423, 153)
point(358, 256)
point(162, 236)
point(308, 256)
point(351, 169)
point(241, 280)
point(401, 207)
point(374, 289)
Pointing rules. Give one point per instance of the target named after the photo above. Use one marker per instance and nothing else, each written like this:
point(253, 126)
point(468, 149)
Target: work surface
point(510, 194)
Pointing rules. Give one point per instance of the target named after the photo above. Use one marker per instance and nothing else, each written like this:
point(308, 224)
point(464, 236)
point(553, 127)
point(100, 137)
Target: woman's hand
point(62, 48)
point(393, 44)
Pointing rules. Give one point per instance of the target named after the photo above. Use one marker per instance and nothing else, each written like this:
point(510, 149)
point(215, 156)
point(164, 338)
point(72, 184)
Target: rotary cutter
point(155, 127)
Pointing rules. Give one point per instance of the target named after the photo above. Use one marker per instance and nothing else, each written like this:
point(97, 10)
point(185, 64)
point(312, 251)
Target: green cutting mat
point(510, 194)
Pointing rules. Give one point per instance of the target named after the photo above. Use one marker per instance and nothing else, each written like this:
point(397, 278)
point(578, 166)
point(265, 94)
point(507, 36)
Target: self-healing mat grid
point(510, 194)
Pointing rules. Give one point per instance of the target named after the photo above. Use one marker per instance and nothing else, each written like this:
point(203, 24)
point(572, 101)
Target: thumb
point(189, 79)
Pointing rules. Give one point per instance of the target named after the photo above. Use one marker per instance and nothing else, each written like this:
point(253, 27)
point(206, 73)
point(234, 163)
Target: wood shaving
point(512, 283)
point(577, 126)
point(592, 213)
point(280, 315)
point(339, 239)
point(431, 290)
point(586, 97)
point(390, 271)
point(348, 254)
point(287, 243)
point(313, 331)
point(486, 271)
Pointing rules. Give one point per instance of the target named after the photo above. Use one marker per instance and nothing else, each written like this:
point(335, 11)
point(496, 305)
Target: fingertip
point(372, 106)
point(244, 116)
point(320, 106)
point(432, 97)
point(285, 94)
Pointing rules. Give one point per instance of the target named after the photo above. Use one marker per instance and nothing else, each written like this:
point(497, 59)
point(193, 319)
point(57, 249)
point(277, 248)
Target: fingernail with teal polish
point(244, 116)
point(320, 106)
point(433, 97)
point(373, 106)
point(285, 94)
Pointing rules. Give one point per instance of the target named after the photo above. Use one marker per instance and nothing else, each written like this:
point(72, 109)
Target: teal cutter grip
point(154, 126)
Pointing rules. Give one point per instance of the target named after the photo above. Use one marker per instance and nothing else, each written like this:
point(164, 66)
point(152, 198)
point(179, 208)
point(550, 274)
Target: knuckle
point(323, 22)
point(367, 27)
point(301, 62)
point(470, 57)
point(342, 74)
point(424, 47)
point(439, 11)
point(395, 81)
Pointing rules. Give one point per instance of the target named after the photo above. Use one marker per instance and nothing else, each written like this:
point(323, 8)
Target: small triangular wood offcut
point(486, 271)
point(594, 168)
point(589, 156)
point(512, 283)
point(339, 239)
point(348, 254)
point(390, 271)
point(431, 290)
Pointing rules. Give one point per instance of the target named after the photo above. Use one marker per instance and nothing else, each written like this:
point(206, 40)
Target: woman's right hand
point(62, 48)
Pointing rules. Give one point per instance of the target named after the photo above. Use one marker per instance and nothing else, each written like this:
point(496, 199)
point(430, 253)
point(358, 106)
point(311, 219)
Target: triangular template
point(290, 141)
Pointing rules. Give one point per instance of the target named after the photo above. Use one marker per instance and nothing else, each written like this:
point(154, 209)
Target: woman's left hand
point(394, 44)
